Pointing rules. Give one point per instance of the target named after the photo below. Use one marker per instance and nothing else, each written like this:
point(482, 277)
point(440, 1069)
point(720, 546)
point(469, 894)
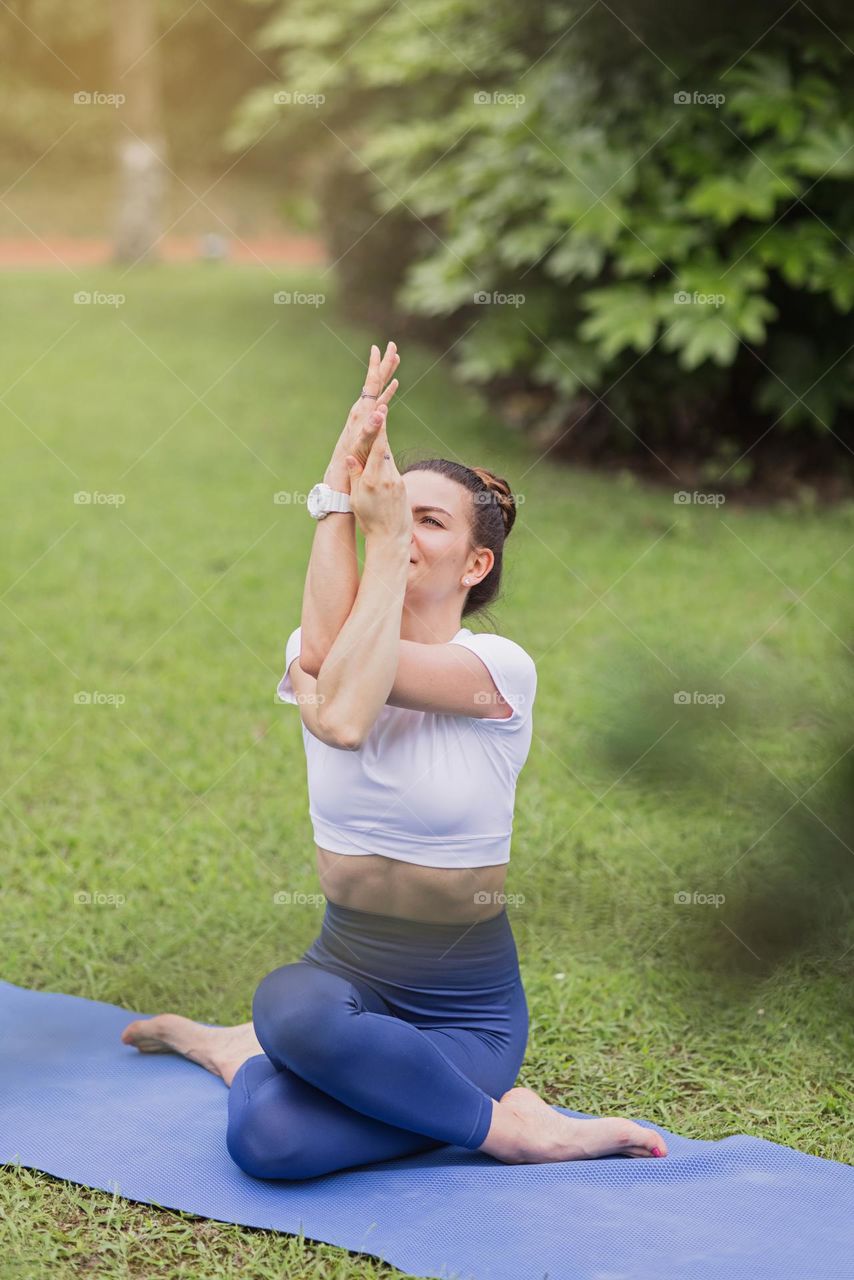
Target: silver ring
point(368, 394)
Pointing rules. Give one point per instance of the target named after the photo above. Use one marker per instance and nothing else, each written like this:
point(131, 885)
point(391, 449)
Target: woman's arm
point(332, 578)
point(355, 680)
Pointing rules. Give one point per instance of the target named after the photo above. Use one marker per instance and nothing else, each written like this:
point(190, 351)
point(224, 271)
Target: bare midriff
point(391, 887)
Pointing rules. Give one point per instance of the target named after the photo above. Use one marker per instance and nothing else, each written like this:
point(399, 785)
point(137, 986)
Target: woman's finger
point(363, 437)
point(376, 459)
point(373, 380)
point(390, 361)
point(389, 392)
point(379, 371)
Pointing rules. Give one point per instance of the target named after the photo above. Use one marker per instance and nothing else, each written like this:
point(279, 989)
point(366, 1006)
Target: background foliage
point(666, 199)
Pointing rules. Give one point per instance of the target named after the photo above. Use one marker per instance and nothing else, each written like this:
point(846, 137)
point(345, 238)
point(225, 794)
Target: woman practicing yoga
point(404, 1024)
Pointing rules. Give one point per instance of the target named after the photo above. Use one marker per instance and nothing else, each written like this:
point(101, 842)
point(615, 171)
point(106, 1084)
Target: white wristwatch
point(323, 498)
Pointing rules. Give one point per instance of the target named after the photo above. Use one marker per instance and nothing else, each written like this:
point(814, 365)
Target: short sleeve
point(514, 673)
point(285, 688)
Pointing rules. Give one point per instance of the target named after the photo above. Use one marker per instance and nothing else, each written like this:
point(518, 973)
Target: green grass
point(189, 798)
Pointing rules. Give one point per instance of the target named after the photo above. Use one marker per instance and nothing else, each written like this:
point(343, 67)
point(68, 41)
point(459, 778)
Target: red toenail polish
point(655, 1151)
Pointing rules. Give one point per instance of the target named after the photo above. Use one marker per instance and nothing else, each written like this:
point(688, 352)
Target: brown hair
point(493, 512)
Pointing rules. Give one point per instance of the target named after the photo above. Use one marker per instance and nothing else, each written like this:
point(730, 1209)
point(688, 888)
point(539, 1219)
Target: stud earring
point(466, 581)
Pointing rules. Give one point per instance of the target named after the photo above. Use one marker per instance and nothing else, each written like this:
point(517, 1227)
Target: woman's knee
point(284, 997)
point(293, 1011)
point(267, 1134)
point(266, 1151)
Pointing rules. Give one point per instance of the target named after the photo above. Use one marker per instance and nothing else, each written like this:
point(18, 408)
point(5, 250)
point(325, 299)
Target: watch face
point(314, 501)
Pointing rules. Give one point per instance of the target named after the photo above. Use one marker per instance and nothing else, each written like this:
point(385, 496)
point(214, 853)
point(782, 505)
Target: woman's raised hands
point(361, 426)
point(378, 495)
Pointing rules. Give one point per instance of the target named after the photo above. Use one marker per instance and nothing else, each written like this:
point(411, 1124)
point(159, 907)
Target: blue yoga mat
point(77, 1103)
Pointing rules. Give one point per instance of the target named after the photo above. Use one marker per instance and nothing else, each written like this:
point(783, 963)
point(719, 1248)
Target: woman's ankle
point(505, 1138)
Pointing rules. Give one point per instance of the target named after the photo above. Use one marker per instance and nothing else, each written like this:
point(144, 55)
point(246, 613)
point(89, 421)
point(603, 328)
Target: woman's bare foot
point(220, 1050)
point(526, 1130)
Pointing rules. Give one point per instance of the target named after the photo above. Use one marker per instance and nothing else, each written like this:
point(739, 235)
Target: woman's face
point(440, 552)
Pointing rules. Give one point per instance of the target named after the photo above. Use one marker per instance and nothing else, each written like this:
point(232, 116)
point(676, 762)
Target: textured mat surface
point(77, 1103)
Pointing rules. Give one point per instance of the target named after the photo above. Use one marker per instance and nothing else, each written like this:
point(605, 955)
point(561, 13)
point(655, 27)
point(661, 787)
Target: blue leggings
point(388, 1037)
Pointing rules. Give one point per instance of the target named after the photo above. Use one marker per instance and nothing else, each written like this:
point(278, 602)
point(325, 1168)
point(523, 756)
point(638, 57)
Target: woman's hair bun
point(503, 495)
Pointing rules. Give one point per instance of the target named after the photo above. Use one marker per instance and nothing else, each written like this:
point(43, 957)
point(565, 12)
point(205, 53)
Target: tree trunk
point(141, 145)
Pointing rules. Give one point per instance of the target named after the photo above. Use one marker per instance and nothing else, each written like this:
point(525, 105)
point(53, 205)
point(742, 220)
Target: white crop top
point(425, 787)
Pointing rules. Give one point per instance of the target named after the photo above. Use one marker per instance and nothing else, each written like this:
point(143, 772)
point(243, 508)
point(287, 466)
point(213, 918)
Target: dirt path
point(57, 252)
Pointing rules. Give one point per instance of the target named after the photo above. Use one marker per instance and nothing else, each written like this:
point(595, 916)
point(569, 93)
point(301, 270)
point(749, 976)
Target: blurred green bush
point(634, 222)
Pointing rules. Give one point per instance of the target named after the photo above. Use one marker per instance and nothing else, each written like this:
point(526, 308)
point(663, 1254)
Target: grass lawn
point(198, 399)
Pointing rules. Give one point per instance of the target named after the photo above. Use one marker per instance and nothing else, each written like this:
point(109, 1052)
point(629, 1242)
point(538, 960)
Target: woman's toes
point(146, 1034)
point(131, 1031)
point(651, 1144)
point(164, 1033)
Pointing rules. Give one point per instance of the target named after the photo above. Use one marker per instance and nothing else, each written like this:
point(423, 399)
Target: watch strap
point(339, 501)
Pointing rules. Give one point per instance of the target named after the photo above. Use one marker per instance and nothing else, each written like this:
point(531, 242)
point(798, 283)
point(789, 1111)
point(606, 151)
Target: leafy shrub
point(641, 219)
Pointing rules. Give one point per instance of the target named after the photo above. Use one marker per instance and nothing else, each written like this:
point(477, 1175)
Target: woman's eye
point(436, 522)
